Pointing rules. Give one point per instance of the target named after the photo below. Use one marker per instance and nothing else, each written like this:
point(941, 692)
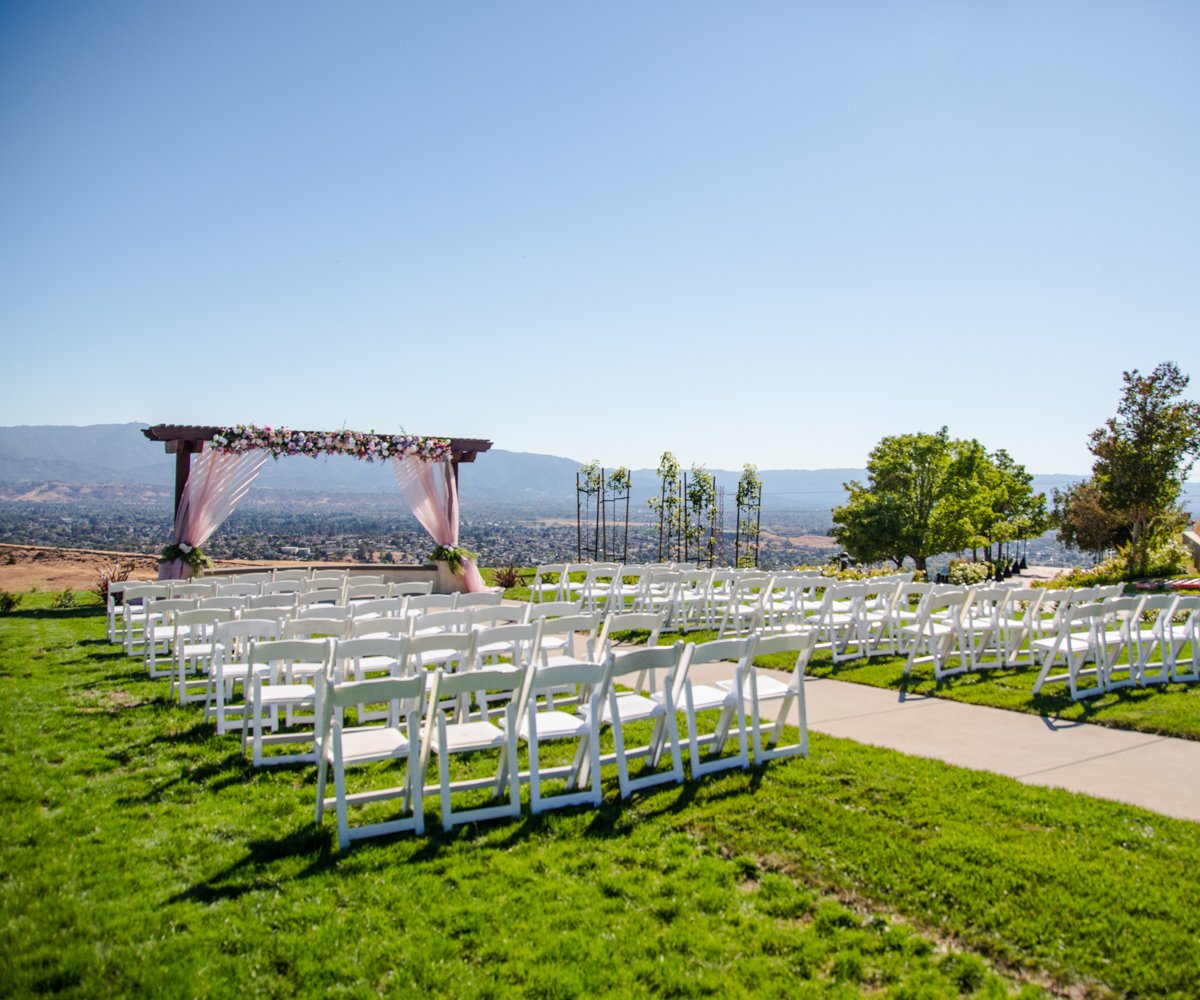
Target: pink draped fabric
point(432, 493)
point(216, 484)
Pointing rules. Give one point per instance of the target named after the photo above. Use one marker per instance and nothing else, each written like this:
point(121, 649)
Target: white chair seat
point(555, 725)
point(705, 697)
point(278, 694)
point(464, 737)
point(373, 743)
point(768, 687)
point(633, 708)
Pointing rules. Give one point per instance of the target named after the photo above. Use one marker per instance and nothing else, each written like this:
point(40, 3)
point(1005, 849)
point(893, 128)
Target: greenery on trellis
point(700, 514)
point(669, 506)
point(598, 489)
point(749, 512)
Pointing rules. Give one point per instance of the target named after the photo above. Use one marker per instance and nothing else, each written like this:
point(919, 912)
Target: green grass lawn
point(142, 855)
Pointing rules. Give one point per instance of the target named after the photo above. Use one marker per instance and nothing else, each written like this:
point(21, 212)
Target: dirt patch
point(32, 567)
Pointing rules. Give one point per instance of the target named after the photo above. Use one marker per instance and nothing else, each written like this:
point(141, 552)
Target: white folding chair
point(547, 583)
point(764, 687)
point(158, 632)
point(627, 707)
point(1147, 636)
point(541, 723)
point(283, 680)
point(939, 634)
point(1077, 641)
point(396, 738)
point(445, 736)
point(1183, 635)
point(193, 648)
point(136, 614)
point(725, 698)
point(229, 669)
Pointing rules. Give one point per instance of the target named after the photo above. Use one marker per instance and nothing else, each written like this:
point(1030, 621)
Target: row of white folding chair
point(533, 719)
point(126, 603)
point(1122, 642)
point(397, 616)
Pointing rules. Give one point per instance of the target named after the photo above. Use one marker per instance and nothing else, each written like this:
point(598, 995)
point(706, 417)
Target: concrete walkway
point(1155, 772)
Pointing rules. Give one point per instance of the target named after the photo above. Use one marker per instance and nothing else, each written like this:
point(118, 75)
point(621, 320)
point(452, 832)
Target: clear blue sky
point(745, 232)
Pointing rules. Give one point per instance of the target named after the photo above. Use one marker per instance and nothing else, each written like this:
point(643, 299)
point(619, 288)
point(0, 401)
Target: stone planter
point(447, 582)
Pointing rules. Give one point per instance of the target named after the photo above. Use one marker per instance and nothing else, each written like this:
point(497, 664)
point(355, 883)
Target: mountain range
point(120, 454)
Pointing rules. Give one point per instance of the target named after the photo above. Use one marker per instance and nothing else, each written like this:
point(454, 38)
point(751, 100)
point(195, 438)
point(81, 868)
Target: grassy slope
point(141, 854)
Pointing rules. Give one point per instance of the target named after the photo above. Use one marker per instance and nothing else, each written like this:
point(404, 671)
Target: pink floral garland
point(282, 441)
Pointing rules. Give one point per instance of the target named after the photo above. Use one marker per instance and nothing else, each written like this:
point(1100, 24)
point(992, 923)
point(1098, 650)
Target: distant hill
point(120, 454)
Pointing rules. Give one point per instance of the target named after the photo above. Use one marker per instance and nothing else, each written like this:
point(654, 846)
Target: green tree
point(1084, 522)
point(1011, 509)
point(1143, 455)
point(922, 497)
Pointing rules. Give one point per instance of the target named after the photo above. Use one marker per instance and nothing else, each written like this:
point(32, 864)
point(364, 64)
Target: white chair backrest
point(355, 658)
point(382, 626)
point(553, 609)
point(421, 603)
point(505, 614)
point(440, 621)
point(280, 600)
point(235, 636)
point(312, 628)
point(384, 607)
point(239, 590)
point(322, 595)
point(277, 587)
point(339, 612)
point(452, 651)
point(487, 599)
point(411, 588)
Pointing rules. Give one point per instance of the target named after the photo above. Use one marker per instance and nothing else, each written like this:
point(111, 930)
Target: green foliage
point(1143, 455)
point(9, 601)
point(619, 480)
point(106, 576)
point(966, 573)
point(507, 577)
point(589, 477)
point(668, 504)
point(63, 600)
point(191, 556)
point(701, 518)
point(929, 493)
point(453, 556)
point(1167, 558)
point(1083, 521)
point(141, 851)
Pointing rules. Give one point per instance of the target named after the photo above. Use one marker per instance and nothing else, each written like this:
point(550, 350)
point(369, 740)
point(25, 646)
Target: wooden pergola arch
point(185, 440)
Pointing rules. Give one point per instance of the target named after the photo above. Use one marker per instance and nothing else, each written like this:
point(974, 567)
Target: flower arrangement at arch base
point(453, 556)
point(191, 556)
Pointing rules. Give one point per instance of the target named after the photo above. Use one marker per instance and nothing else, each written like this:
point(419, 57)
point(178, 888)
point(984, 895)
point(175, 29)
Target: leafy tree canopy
point(1143, 456)
point(929, 493)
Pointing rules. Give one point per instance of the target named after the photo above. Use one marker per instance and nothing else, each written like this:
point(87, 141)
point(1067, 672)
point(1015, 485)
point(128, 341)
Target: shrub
point(966, 573)
point(1169, 558)
point(64, 600)
point(8, 601)
point(107, 575)
point(508, 577)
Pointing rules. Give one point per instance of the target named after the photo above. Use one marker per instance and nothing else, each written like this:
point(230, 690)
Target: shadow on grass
point(246, 875)
point(39, 614)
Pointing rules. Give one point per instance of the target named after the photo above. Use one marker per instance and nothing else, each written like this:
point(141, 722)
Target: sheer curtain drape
point(216, 484)
point(431, 492)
